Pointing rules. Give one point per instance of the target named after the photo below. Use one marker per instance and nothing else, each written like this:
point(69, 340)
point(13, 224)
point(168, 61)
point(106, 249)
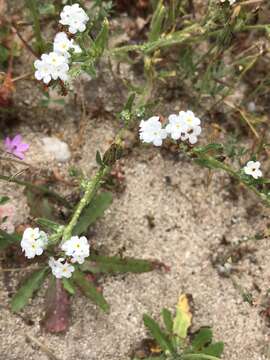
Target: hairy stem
point(90, 191)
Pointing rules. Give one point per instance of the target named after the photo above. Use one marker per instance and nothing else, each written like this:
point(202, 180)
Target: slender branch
point(42, 189)
point(90, 191)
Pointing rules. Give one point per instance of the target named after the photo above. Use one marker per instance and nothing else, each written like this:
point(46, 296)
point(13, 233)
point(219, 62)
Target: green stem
point(199, 356)
point(90, 191)
point(220, 165)
point(40, 188)
point(33, 8)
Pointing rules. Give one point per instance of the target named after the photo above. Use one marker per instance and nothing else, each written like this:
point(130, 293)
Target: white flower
point(185, 126)
point(177, 128)
point(33, 242)
point(189, 118)
point(51, 66)
point(59, 66)
point(43, 69)
point(193, 133)
point(62, 44)
point(253, 168)
point(76, 247)
point(151, 131)
point(74, 17)
point(61, 268)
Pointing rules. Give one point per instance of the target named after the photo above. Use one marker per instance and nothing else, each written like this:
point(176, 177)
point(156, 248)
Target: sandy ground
point(190, 220)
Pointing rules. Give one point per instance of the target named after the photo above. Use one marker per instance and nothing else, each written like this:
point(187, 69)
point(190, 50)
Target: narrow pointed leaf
point(158, 334)
point(89, 290)
point(48, 224)
point(31, 285)
point(69, 286)
point(168, 320)
point(215, 349)
point(115, 264)
point(92, 212)
point(202, 338)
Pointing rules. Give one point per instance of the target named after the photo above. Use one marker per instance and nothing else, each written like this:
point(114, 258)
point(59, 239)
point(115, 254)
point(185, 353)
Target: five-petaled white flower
point(177, 128)
point(76, 247)
point(151, 131)
point(51, 66)
point(74, 17)
point(185, 126)
point(62, 45)
point(253, 168)
point(43, 69)
point(33, 242)
point(61, 268)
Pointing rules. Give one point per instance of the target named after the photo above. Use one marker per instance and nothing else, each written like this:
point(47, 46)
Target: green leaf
point(157, 334)
point(99, 158)
point(4, 200)
point(31, 285)
point(40, 205)
point(115, 264)
point(202, 338)
point(4, 54)
point(168, 320)
point(207, 148)
point(89, 290)
point(68, 286)
point(48, 224)
point(157, 21)
point(92, 212)
point(198, 357)
point(8, 239)
point(102, 39)
point(182, 320)
point(215, 349)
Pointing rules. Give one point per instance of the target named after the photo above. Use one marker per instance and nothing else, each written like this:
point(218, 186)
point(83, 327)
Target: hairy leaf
point(31, 285)
point(89, 290)
point(115, 264)
point(92, 212)
point(48, 224)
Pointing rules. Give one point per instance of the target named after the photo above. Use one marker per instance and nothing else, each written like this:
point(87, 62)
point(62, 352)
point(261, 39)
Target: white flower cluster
point(76, 250)
point(252, 168)
point(74, 17)
point(230, 1)
point(185, 126)
point(55, 65)
point(33, 242)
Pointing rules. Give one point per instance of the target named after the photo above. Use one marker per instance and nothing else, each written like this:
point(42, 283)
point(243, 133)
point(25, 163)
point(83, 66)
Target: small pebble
point(57, 148)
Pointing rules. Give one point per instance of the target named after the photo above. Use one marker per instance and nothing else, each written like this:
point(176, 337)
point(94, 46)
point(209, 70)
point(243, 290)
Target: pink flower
point(16, 147)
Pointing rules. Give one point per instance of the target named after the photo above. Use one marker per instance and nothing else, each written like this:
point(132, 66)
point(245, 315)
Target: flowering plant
point(63, 252)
